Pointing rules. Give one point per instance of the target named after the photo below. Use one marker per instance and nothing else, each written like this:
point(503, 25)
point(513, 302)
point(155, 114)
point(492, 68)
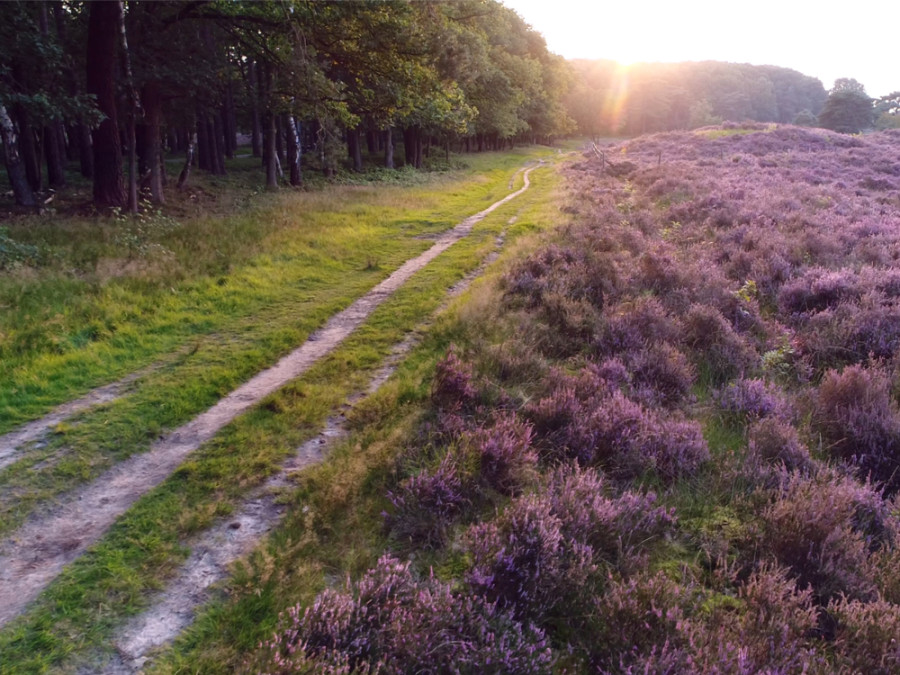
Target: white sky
point(823, 39)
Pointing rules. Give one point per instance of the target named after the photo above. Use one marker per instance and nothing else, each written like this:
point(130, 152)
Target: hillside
point(666, 441)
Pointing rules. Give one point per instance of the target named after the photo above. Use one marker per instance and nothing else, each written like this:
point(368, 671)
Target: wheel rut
point(36, 553)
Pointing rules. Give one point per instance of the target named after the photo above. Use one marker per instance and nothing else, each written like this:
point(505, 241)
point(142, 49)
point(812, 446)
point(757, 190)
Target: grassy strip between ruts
point(79, 610)
point(318, 264)
point(84, 320)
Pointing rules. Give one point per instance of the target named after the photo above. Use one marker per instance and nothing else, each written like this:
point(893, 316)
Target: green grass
point(328, 248)
point(97, 310)
point(77, 612)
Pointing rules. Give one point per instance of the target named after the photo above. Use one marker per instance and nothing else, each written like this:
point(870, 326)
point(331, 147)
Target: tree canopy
point(297, 75)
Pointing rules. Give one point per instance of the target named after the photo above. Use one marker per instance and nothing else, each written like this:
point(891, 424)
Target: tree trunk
point(152, 119)
point(255, 121)
point(371, 138)
point(14, 167)
point(409, 146)
point(102, 47)
point(271, 151)
point(294, 151)
point(85, 150)
point(418, 144)
point(354, 149)
point(56, 157)
point(28, 148)
point(204, 156)
point(219, 144)
point(279, 142)
point(388, 148)
point(188, 160)
point(229, 122)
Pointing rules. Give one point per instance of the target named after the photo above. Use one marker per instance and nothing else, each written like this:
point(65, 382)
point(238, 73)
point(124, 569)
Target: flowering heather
point(507, 458)
point(661, 375)
point(616, 528)
point(453, 388)
point(859, 421)
point(775, 443)
point(426, 504)
point(392, 623)
point(825, 529)
point(749, 399)
point(866, 636)
point(523, 562)
point(717, 349)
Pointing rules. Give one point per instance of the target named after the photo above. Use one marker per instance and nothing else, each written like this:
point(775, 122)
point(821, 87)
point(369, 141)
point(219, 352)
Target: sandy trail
point(12, 443)
point(36, 553)
point(213, 552)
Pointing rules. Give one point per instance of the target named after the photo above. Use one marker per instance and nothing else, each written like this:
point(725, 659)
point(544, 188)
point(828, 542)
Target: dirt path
point(12, 443)
point(37, 552)
point(213, 552)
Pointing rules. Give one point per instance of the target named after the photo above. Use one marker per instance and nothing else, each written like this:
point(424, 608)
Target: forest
point(111, 86)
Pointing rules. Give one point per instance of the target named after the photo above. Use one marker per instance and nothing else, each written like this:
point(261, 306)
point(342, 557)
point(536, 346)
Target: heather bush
point(859, 421)
point(769, 633)
point(661, 376)
point(453, 387)
point(391, 623)
point(667, 447)
point(559, 270)
point(825, 530)
point(818, 289)
point(775, 443)
point(425, 505)
point(853, 332)
point(522, 561)
point(507, 458)
point(566, 326)
point(629, 327)
point(716, 348)
point(612, 431)
point(867, 636)
point(615, 528)
point(750, 399)
point(639, 617)
point(887, 574)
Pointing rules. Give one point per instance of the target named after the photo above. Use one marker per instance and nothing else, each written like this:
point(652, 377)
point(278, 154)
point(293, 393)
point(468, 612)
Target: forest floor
point(68, 475)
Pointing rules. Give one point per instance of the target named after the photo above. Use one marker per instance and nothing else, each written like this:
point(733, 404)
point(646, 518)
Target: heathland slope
point(667, 440)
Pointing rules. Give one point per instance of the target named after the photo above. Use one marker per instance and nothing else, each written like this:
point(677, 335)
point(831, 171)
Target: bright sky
point(823, 39)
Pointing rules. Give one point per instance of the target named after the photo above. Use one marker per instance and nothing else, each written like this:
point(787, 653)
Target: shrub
point(867, 636)
point(452, 387)
point(776, 443)
point(634, 325)
point(508, 460)
point(391, 623)
point(859, 421)
point(522, 561)
point(716, 348)
point(661, 375)
point(616, 528)
point(426, 504)
point(636, 618)
point(750, 399)
point(765, 629)
point(818, 289)
point(670, 448)
point(824, 529)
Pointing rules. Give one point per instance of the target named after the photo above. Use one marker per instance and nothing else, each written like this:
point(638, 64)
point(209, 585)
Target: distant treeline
point(609, 98)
